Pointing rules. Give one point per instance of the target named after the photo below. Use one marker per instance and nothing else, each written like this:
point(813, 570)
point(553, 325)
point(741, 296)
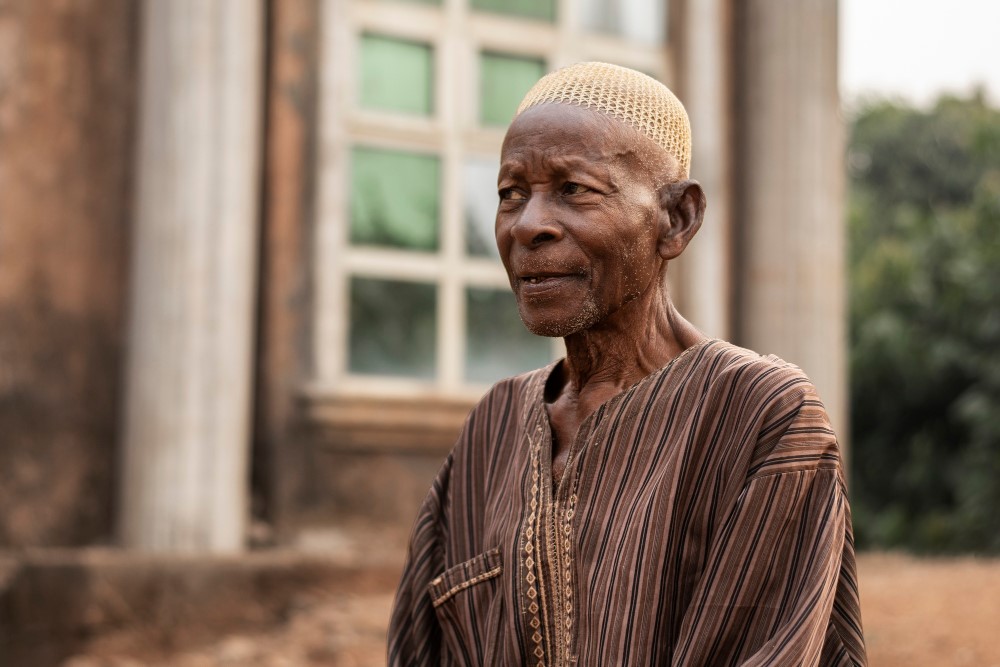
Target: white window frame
point(457, 34)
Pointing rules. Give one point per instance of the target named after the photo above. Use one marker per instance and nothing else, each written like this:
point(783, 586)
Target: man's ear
point(682, 208)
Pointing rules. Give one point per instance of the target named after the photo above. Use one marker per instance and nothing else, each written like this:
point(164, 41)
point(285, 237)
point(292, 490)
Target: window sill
point(383, 425)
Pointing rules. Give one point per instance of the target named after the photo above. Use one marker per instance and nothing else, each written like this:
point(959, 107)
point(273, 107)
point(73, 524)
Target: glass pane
point(497, 344)
point(393, 327)
point(396, 75)
point(544, 10)
point(504, 79)
point(394, 199)
point(480, 204)
point(638, 20)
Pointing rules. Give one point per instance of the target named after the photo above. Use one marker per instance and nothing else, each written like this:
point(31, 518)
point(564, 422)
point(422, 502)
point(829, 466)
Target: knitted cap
point(630, 96)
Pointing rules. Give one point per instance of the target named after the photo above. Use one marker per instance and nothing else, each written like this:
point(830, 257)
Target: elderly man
point(656, 497)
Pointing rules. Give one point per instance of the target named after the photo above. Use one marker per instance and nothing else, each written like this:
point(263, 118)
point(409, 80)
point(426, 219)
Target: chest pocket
point(469, 608)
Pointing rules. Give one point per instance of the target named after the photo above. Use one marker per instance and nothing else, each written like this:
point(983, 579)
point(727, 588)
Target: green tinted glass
point(394, 199)
point(393, 328)
point(544, 10)
point(497, 344)
point(479, 190)
point(396, 75)
point(504, 79)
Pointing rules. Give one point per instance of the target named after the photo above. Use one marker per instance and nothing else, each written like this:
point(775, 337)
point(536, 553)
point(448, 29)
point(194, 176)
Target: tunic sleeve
point(414, 637)
point(779, 585)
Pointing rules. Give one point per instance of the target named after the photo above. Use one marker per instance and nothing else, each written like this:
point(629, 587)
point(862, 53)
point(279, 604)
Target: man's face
point(577, 220)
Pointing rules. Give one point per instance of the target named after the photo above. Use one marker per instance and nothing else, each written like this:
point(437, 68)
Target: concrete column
point(700, 34)
point(790, 184)
point(189, 368)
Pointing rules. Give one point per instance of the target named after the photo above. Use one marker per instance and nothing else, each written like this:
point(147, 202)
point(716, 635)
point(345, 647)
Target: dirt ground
point(942, 612)
point(917, 613)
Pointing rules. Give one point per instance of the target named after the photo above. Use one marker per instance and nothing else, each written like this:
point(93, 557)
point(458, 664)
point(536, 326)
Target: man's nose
point(537, 223)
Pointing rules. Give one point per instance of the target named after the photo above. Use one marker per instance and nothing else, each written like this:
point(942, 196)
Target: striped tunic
point(701, 520)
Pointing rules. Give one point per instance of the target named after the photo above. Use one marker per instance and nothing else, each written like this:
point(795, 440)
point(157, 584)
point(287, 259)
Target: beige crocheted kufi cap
point(633, 97)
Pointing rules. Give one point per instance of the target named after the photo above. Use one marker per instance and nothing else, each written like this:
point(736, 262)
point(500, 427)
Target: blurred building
point(246, 253)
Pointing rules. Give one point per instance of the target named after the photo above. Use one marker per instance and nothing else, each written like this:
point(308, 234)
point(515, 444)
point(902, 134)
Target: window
point(394, 198)
point(411, 298)
point(503, 81)
point(395, 75)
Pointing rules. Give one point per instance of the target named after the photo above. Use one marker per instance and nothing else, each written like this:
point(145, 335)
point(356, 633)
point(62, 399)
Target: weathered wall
point(66, 99)
point(279, 462)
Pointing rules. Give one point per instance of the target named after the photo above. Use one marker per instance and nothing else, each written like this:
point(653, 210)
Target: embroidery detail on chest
point(567, 573)
point(548, 566)
point(530, 553)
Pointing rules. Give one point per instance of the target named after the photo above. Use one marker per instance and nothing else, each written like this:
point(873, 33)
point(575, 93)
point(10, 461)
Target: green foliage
point(924, 225)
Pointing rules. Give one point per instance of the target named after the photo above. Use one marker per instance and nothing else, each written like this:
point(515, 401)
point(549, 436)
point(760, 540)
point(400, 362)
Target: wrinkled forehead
point(562, 137)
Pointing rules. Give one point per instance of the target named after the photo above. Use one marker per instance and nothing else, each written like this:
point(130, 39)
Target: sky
point(916, 49)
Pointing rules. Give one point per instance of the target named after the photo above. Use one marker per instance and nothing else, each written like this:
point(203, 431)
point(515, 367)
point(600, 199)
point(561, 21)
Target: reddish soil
point(917, 612)
point(923, 612)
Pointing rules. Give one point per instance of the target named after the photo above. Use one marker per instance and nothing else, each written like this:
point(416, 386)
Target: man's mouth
point(542, 277)
point(538, 283)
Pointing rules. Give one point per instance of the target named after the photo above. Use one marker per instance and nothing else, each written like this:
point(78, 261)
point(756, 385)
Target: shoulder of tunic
point(780, 406)
point(732, 359)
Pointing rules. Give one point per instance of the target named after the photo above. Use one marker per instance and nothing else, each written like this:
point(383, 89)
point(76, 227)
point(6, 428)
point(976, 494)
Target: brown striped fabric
point(702, 520)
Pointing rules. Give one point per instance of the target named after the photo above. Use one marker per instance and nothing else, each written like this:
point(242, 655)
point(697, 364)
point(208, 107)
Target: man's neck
point(604, 361)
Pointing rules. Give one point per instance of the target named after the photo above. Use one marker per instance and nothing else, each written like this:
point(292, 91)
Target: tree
point(924, 225)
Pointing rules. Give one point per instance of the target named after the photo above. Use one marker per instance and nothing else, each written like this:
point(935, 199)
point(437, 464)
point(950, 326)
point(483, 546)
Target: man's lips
point(539, 283)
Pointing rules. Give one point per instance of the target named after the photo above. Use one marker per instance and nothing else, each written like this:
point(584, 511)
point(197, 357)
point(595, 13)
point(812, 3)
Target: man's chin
point(562, 326)
point(547, 329)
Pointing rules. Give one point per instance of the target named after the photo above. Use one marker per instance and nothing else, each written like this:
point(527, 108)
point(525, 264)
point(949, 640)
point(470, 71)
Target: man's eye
point(574, 189)
point(510, 194)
